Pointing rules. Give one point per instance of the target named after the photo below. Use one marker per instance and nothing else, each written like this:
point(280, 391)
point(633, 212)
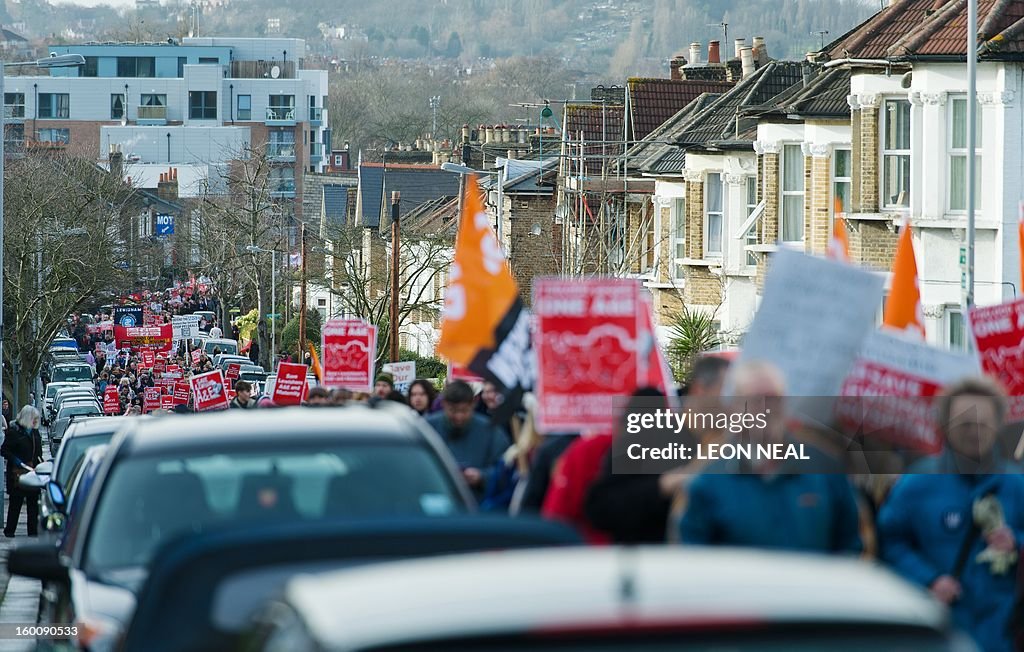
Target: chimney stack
point(167, 189)
point(747, 58)
point(674, 64)
point(760, 50)
point(714, 52)
point(694, 54)
point(465, 133)
point(116, 161)
point(739, 44)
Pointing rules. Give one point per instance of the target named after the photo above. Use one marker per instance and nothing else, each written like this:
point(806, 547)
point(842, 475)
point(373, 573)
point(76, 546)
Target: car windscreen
point(76, 373)
point(146, 500)
point(53, 388)
point(72, 450)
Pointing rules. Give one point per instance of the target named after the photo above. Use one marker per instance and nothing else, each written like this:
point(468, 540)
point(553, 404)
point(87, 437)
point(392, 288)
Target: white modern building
point(200, 101)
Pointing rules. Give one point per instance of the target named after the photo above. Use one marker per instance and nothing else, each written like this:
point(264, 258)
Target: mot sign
point(164, 224)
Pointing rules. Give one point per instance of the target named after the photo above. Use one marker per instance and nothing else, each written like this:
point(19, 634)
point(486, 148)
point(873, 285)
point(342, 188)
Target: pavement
point(19, 596)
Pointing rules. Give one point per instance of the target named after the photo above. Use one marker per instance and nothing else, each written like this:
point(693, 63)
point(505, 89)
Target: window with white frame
point(648, 239)
point(678, 242)
point(792, 193)
point(896, 154)
point(842, 180)
point(956, 332)
point(958, 153)
point(714, 214)
point(750, 205)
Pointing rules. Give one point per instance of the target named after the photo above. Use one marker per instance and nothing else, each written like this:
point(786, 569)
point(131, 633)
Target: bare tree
point(66, 241)
point(241, 215)
point(359, 273)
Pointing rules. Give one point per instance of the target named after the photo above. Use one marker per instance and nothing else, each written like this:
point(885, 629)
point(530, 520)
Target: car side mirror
point(39, 559)
point(45, 468)
point(32, 480)
point(56, 495)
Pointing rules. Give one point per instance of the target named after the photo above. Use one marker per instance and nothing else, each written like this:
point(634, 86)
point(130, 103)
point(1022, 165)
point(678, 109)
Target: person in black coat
point(23, 450)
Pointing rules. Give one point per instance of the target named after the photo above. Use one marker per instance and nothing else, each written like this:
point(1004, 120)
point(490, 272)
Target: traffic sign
point(164, 224)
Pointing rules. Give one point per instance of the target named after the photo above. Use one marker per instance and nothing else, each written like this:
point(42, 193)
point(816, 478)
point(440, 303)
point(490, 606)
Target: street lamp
point(253, 249)
point(53, 61)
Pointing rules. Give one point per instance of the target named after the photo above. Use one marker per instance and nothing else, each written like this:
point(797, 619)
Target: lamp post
point(273, 297)
point(53, 61)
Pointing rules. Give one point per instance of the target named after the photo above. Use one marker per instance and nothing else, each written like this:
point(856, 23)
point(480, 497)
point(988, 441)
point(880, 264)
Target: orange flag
point(903, 307)
point(481, 290)
point(838, 244)
point(315, 362)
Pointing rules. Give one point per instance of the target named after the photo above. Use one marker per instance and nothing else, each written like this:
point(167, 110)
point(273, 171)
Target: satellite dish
point(275, 72)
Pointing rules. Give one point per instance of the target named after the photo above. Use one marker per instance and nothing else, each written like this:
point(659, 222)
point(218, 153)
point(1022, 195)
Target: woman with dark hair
point(421, 396)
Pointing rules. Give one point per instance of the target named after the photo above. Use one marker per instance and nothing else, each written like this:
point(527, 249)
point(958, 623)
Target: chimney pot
point(694, 54)
point(760, 50)
point(511, 154)
point(739, 44)
point(714, 52)
point(747, 59)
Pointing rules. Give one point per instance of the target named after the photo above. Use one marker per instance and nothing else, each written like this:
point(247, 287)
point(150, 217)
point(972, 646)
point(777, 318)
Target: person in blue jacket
point(927, 528)
point(770, 504)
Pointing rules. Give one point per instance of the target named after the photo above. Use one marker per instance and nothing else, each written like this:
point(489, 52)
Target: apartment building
point(197, 103)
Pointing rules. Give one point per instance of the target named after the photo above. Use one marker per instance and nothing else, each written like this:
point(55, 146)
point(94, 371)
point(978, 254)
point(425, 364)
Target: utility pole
point(302, 291)
point(972, 100)
point(395, 199)
point(435, 102)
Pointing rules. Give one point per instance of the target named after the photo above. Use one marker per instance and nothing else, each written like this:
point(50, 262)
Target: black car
point(174, 475)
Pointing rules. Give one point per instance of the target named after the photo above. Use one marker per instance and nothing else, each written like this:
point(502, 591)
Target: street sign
point(164, 224)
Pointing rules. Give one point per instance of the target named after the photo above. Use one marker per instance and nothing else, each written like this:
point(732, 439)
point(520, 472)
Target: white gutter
point(858, 62)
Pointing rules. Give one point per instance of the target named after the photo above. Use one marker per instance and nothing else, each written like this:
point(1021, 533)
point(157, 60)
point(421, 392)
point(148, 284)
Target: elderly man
point(955, 524)
point(769, 503)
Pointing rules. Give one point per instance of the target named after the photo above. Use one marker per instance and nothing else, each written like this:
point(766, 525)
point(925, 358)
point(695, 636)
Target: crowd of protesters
point(953, 525)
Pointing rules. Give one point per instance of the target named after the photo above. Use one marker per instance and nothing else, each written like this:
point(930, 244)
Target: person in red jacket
point(575, 473)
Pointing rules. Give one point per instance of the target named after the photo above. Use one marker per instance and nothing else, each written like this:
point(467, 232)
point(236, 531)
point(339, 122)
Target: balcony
point(316, 152)
point(281, 151)
point(262, 70)
point(152, 115)
point(316, 115)
point(281, 116)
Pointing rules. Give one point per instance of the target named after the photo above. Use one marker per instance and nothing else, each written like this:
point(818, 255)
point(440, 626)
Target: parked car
point(82, 434)
point(66, 413)
point(608, 598)
point(71, 392)
point(232, 470)
point(77, 372)
point(268, 384)
point(224, 359)
point(247, 567)
point(223, 345)
point(62, 502)
point(64, 342)
point(51, 393)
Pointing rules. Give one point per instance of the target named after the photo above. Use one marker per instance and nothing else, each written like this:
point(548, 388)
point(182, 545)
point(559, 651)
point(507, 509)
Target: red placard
point(349, 350)
point(151, 399)
point(999, 334)
point(234, 371)
point(586, 350)
point(166, 402)
point(210, 391)
point(458, 372)
point(182, 391)
point(196, 355)
point(290, 386)
point(111, 400)
point(174, 369)
point(148, 358)
point(152, 337)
